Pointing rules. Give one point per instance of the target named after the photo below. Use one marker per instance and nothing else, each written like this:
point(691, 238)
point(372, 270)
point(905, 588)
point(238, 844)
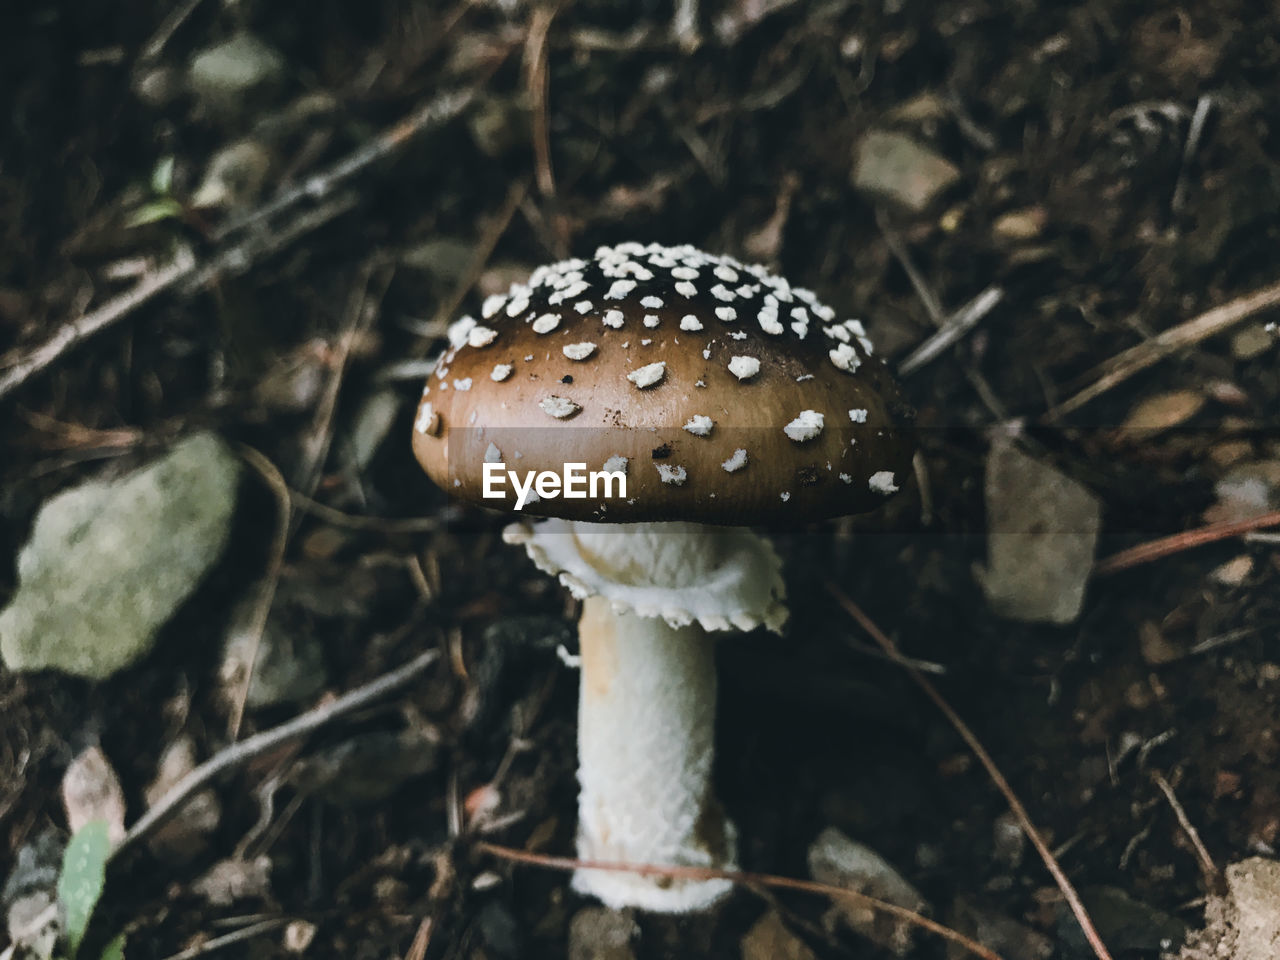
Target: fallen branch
point(974, 744)
point(1122, 366)
point(1176, 543)
point(743, 878)
point(245, 750)
point(184, 273)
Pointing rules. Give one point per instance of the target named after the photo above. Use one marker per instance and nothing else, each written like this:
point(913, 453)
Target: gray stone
point(1042, 529)
point(836, 859)
point(1244, 924)
point(109, 562)
point(598, 933)
point(226, 74)
point(893, 166)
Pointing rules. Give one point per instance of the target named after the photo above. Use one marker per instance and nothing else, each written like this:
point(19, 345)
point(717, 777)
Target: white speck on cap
point(721, 292)
point(652, 303)
point(738, 335)
point(428, 422)
point(482, 336)
point(645, 343)
point(804, 427)
point(727, 314)
point(784, 496)
point(492, 305)
point(579, 351)
point(500, 372)
point(803, 377)
point(686, 289)
point(616, 464)
point(699, 383)
point(464, 384)
point(690, 322)
point(725, 273)
point(684, 273)
point(858, 416)
point(769, 322)
point(837, 332)
point(651, 320)
point(648, 375)
point(475, 415)
point(882, 482)
point(706, 353)
point(699, 425)
point(459, 330)
point(613, 318)
point(493, 454)
point(735, 462)
point(559, 407)
point(845, 357)
point(517, 306)
point(546, 323)
point(744, 368)
point(672, 474)
point(620, 289)
point(583, 306)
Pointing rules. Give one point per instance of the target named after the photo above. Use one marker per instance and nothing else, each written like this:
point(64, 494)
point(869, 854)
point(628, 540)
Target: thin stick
point(899, 250)
point(743, 878)
point(1015, 805)
point(1207, 866)
point(267, 592)
point(86, 325)
point(1124, 365)
point(226, 940)
point(953, 328)
point(260, 743)
point(1176, 543)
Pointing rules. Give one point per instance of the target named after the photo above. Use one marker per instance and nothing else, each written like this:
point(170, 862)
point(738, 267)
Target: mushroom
point(718, 419)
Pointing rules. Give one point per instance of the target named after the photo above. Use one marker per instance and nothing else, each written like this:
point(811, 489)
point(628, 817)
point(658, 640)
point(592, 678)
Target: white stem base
point(646, 731)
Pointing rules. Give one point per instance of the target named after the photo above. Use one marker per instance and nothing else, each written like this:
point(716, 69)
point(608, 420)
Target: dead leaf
point(91, 791)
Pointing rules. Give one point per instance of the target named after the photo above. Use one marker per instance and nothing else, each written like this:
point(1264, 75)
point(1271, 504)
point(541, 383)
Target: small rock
point(1245, 924)
point(1006, 936)
point(1008, 841)
point(29, 897)
point(1019, 226)
point(1157, 413)
point(1253, 341)
point(235, 176)
point(1155, 647)
point(186, 835)
point(598, 933)
point(109, 562)
point(770, 939)
point(91, 791)
point(1125, 925)
point(892, 165)
point(1247, 490)
point(224, 76)
point(1042, 528)
point(230, 880)
point(298, 936)
point(1233, 572)
point(838, 860)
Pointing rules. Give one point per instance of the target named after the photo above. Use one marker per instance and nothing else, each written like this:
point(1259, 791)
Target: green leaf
point(162, 176)
point(114, 950)
point(84, 871)
point(155, 210)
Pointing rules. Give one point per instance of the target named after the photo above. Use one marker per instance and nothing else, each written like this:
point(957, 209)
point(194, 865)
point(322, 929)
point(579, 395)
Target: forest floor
point(1114, 172)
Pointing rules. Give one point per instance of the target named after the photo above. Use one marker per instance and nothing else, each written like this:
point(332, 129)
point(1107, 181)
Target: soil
point(1089, 190)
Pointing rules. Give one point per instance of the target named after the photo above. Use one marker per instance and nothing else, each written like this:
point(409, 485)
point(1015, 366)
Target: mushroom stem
point(646, 732)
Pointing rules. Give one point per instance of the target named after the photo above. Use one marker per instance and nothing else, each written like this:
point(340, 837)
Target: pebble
point(109, 562)
point(224, 76)
point(895, 167)
point(1251, 342)
point(1042, 529)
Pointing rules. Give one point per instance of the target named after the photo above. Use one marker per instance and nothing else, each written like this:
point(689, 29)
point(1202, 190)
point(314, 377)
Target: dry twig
point(747, 879)
point(1176, 543)
point(974, 744)
point(245, 750)
point(1207, 867)
point(1124, 365)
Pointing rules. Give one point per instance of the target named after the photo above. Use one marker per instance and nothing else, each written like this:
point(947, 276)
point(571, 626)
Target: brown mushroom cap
point(733, 397)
